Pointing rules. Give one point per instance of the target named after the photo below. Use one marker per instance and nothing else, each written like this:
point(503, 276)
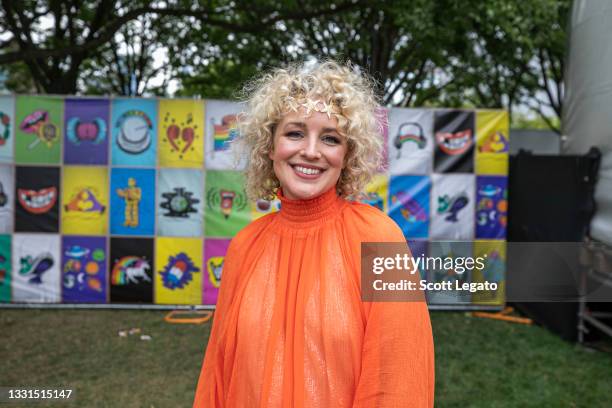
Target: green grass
point(479, 362)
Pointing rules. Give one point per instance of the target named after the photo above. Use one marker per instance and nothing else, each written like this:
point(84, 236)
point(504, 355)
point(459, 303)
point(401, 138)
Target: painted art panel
point(227, 207)
point(178, 276)
point(449, 270)
point(85, 200)
point(181, 133)
point(452, 206)
point(7, 198)
point(377, 192)
point(132, 197)
point(454, 137)
point(37, 199)
point(409, 204)
point(491, 206)
point(492, 142)
point(131, 270)
point(134, 132)
point(494, 271)
point(419, 249)
point(7, 128)
point(383, 123)
point(263, 207)
point(5, 268)
point(84, 269)
point(36, 268)
point(411, 141)
point(221, 131)
point(214, 257)
point(180, 202)
point(87, 131)
point(39, 129)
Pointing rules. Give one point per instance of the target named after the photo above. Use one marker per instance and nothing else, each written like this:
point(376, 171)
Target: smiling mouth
point(307, 170)
point(454, 143)
point(37, 201)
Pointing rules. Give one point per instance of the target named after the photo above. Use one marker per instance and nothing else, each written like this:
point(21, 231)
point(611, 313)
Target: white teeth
point(307, 170)
point(38, 201)
point(456, 143)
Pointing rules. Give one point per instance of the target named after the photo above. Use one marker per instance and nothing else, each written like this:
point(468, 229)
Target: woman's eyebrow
point(329, 129)
point(298, 124)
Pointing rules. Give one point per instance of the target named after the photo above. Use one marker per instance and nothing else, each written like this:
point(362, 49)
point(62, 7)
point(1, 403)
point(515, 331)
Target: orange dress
point(290, 329)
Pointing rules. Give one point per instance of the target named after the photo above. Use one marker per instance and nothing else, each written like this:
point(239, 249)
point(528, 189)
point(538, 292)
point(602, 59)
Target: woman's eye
point(333, 140)
point(294, 135)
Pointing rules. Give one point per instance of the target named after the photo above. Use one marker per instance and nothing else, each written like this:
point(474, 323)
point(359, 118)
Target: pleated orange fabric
point(290, 329)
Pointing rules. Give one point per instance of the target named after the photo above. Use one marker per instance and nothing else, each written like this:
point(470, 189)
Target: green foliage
point(456, 53)
point(523, 121)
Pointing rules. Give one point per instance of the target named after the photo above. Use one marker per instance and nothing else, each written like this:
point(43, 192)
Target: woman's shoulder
point(371, 224)
point(253, 230)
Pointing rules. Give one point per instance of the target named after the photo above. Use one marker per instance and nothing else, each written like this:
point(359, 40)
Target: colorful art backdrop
point(5, 268)
point(419, 249)
point(181, 133)
point(39, 129)
point(452, 207)
point(451, 250)
point(134, 132)
point(84, 269)
point(411, 143)
point(37, 199)
point(491, 206)
point(409, 204)
point(492, 142)
point(180, 203)
point(7, 198)
point(157, 190)
point(494, 252)
point(221, 131)
point(227, 207)
point(214, 256)
point(7, 128)
point(264, 207)
point(36, 268)
point(383, 123)
point(85, 200)
point(131, 270)
point(87, 131)
point(132, 198)
point(454, 137)
point(178, 275)
point(377, 193)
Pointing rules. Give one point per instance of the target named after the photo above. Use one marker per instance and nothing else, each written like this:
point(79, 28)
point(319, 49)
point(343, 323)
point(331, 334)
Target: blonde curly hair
point(359, 120)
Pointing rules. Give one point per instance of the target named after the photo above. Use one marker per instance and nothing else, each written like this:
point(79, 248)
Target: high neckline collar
point(311, 211)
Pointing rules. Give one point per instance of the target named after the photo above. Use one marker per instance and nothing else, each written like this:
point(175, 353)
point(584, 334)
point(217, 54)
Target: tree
point(399, 43)
point(127, 63)
point(55, 55)
point(514, 55)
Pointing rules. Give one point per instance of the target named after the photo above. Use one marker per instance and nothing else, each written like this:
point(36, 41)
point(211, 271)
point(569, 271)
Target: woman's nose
point(311, 150)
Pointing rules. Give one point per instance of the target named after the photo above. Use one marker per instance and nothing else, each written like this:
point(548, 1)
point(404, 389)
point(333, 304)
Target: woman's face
point(308, 154)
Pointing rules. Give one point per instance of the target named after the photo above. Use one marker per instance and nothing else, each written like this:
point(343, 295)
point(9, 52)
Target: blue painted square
point(132, 202)
point(409, 204)
point(134, 132)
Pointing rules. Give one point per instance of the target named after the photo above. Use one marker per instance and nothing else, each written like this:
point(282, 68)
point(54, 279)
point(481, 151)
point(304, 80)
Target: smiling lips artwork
point(37, 201)
point(454, 143)
point(38, 123)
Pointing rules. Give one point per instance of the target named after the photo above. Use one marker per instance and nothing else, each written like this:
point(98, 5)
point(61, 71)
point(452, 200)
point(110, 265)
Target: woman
point(290, 328)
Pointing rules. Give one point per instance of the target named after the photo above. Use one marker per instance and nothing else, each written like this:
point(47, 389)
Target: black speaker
point(550, 199)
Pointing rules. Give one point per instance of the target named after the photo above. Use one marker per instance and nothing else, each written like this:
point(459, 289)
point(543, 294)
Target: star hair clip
point(311, 105)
